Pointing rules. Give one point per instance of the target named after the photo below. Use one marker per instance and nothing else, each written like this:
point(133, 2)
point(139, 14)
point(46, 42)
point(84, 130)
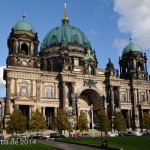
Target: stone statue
point(117, 110)
point(69, 110)
point(89, 55)
point(89, 70)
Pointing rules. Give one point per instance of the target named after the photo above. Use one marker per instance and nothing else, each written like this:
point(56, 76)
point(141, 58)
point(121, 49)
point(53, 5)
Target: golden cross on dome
point(65, 6)
point(65, 13)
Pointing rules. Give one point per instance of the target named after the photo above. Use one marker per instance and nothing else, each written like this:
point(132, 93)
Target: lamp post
point(92, 120)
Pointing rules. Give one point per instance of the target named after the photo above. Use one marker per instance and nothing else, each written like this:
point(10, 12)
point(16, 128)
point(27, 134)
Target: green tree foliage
point(102, 122)
point(17, 122)
point(82, 122)
point(61, 122)
point(146, 121)
point(119, 122)
point(37, 122)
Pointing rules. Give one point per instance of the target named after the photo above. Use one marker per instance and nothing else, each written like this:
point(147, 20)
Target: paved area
point(67, 146)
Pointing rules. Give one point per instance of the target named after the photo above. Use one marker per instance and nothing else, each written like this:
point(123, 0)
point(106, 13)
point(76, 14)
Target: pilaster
point(64, 95)
point(73, 99)
point(112, 101)
point(8, 85)
point(38, 84)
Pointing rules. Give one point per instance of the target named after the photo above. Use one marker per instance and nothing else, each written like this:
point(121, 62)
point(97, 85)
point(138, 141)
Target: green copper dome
point(22, 25)
point(132, 47)
point(65, 34)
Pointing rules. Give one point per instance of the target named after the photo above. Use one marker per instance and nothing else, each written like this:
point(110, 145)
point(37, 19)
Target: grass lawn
point(126, 142)
point(25, 146)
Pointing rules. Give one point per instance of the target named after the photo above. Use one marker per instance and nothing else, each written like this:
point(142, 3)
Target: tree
point(102, 122)
point(119, 122)
point(82, 122)
point(37, 122)
point(17, 122)
point(146, 121)
point(61, 122)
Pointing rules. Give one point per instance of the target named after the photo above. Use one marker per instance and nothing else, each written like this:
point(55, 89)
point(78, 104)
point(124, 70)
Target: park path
point(66, 146)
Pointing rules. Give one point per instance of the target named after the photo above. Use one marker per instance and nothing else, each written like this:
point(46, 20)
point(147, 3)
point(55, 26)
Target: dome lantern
point(131, 47)
point(65, 35)
point(65, 19)
point(23, 25)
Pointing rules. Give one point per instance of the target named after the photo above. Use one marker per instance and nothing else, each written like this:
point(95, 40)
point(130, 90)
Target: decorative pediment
point(24, 98)
point(145, 103)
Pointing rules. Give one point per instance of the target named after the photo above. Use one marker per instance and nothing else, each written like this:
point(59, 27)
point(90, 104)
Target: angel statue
point(69, 110)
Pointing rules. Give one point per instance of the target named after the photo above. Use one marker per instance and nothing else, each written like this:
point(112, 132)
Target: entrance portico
point(89, 99)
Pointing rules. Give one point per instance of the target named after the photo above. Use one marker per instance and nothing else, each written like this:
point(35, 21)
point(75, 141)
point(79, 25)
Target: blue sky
point(108, 24)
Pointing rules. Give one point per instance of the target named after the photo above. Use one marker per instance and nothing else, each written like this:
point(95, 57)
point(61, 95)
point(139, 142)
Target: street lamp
point(92, 120)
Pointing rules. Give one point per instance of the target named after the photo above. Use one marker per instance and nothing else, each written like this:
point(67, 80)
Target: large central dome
point(65, 34)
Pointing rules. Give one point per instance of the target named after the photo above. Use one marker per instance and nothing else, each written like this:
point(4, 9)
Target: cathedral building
point(63, 73)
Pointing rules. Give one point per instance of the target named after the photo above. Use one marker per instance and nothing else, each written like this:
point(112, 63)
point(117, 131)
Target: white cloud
point(92, 32)
point(120, 44)
point(2, 82)
point(134, 19)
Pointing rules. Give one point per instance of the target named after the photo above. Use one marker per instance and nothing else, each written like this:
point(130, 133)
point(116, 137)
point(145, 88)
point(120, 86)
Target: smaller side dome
point(132, 47)
point(25, 26)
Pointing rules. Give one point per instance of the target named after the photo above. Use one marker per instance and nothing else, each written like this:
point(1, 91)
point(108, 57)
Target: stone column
point(32, 108)
point(128, 96)
point(38, 85)
point(148, 95)
point(58, 90)
point(55, 90)
point(35, 48)
point(30, 111)
point(44, 111)
point(137, 97)
point(55, 111)
point(8, 84)
point(119, 102)
point(73, 99)
point(16, 46)
point(31, 87)
point(129, 118)
point(64, 96)
point(2, 110)
point(112, 101)
point(16, 87)
point(134, 109)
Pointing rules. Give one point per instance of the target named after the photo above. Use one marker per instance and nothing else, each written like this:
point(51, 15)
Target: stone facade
point(66, 74)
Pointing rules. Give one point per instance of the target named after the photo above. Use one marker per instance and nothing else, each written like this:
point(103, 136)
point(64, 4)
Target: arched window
point(49, 92)
point(76, 61)
point(24, 49)
point(140, 66)
point(123, 97)
point(54, 66)
point(23, 90)
point(142, 96)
